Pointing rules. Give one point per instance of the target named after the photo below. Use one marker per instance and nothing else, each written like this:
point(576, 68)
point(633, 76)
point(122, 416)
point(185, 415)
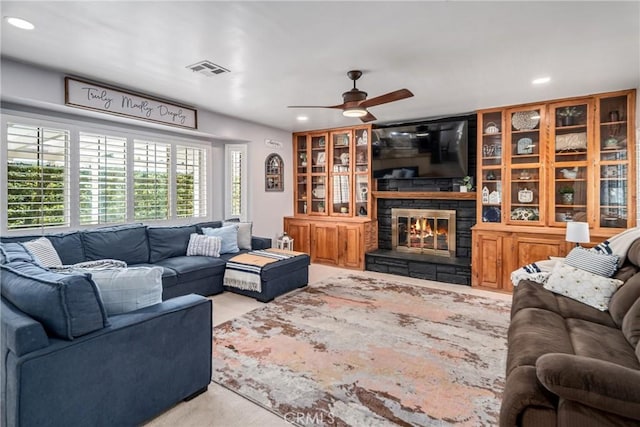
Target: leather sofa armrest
point(260, 242)
point(597, 383)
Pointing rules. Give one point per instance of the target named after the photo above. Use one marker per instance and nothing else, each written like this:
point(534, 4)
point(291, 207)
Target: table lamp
point(577, 232)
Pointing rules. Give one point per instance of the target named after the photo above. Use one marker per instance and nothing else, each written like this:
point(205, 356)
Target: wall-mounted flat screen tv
point(435, 149)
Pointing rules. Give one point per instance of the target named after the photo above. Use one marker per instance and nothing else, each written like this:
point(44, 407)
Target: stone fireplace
point(424, 231)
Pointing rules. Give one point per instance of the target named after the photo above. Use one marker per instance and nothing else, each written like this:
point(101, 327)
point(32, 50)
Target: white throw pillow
point(245, 230)
point(44, 252)
point(127, 289)
point(581, 285)
point(200, 244)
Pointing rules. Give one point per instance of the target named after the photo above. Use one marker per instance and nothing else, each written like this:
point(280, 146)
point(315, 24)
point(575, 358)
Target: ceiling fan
point(356, 103)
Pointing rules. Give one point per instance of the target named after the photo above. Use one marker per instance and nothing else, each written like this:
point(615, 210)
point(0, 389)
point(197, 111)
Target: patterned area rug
point(361, 351)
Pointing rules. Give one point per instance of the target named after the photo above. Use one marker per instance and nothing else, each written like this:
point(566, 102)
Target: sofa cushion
point(10, 252)
point(581, 285)
point(128, 289)
point(202, 245)
point(167, 242)
point(601, 342)
point(593, 262)
point(67, 245)
point(624, 298)
point(44, 252)
point(534, 332)
point(194, 267)
point(67, 305)
point(633, 253)
point(245, 230)
point(631, 324)
point(169, 275)
point(126, 243)
point(229, 236)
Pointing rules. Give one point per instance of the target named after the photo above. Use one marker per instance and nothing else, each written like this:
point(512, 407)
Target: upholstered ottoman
point(245, 276)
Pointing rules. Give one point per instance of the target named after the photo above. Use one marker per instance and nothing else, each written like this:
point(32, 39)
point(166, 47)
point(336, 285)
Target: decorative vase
point(567, 198)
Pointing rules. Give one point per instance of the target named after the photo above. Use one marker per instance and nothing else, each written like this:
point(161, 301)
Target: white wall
point(31, 85)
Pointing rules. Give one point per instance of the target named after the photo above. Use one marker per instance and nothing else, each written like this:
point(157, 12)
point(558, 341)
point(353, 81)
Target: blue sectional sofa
point(66, 363)
point(139, 245)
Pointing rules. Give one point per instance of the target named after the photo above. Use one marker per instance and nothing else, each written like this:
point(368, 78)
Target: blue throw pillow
point(229, 236)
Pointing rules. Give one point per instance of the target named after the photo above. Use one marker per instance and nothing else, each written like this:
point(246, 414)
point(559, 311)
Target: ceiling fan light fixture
point(354, 112)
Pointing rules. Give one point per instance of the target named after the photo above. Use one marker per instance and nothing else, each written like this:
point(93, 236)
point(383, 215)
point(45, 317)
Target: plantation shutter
point(151, 180)
point(37, 169)
point(103, 179)
point(236, 182)
point(190, 182)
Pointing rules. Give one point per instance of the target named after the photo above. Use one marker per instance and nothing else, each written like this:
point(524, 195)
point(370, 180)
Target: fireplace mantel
point(424, 195)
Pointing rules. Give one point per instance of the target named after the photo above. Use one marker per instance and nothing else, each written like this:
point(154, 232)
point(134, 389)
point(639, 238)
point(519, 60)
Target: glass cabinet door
point(613, 163)
point(302, 165)
point(318, 176)
point(361, 172)
point(318, 195)
point(490, 170)
point(525, 157)
point(570, 130)
point(340, 173)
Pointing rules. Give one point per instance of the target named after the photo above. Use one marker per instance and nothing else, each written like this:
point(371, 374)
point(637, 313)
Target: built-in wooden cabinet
point(332, 202)
point(545, 164)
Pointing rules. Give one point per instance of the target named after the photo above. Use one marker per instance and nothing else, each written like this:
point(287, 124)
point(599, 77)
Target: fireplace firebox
point(426, 231)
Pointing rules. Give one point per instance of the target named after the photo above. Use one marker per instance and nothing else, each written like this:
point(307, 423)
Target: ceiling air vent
point(207, 68)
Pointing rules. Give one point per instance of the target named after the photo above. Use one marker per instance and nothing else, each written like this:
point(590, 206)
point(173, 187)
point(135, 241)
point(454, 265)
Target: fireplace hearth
point(424, 231)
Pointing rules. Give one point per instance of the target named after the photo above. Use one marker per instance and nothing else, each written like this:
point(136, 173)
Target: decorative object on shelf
point(494, 197)
point(362, 211)
point(611, 143)
point(488, 150)
point(363, 194)
point(525, 120)
point(614, 116)
point(567, 194)
point(525, 196)
point(466, 183)
point(344, 158)
point(491, 214)
point(524, 146)
point(525, 214)
point(303, 159)
point(525, 174)
point(321, 207)
point(321, 142)
point(318, 192)
point(571, 141)
point(485, 195)
point(577, 232)
point(610, 172)
point(321, 159)
point(304, 207)
point(361, 157)
point(344, 210)
point(569, 115)
point(570, 173)
point(490, 176)
point(284, 242)
point(491, 128)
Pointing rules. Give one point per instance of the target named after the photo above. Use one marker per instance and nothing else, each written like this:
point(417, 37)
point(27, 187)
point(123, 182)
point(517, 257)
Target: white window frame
point(75, 127)
point(230, 151)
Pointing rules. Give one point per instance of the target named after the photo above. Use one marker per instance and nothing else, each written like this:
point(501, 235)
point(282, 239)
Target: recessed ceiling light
point(541, 80)
point(20, 23)
point(302, 118)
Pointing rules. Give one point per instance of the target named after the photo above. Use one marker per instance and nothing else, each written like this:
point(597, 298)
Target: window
point(71, 175)
point(236, 179)
point(191, 195)
point(151, 162)
point(103, 179)
point(37, 170)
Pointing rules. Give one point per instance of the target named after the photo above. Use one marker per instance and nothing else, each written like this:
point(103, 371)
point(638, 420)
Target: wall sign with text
point(79, 93)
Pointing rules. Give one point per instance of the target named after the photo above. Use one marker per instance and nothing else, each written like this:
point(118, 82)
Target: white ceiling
point(455, 57)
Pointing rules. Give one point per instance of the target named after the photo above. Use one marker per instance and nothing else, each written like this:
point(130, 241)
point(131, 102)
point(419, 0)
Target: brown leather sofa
point(569, 364)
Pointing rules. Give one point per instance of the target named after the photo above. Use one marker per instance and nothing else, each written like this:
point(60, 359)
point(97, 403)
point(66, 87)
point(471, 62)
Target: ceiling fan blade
point(368, 118)
point(386, 98)
point(341, 106)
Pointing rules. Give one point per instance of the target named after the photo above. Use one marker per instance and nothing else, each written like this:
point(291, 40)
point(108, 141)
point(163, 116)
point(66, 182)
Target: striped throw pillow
point(44, 252)
point(594, 262)
point(200, 244)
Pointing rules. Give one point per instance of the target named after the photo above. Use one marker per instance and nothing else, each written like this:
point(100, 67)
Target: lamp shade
point(577, 232)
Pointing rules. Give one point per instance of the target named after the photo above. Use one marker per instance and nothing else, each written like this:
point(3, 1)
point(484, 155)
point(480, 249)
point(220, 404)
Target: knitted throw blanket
point(244, 271)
